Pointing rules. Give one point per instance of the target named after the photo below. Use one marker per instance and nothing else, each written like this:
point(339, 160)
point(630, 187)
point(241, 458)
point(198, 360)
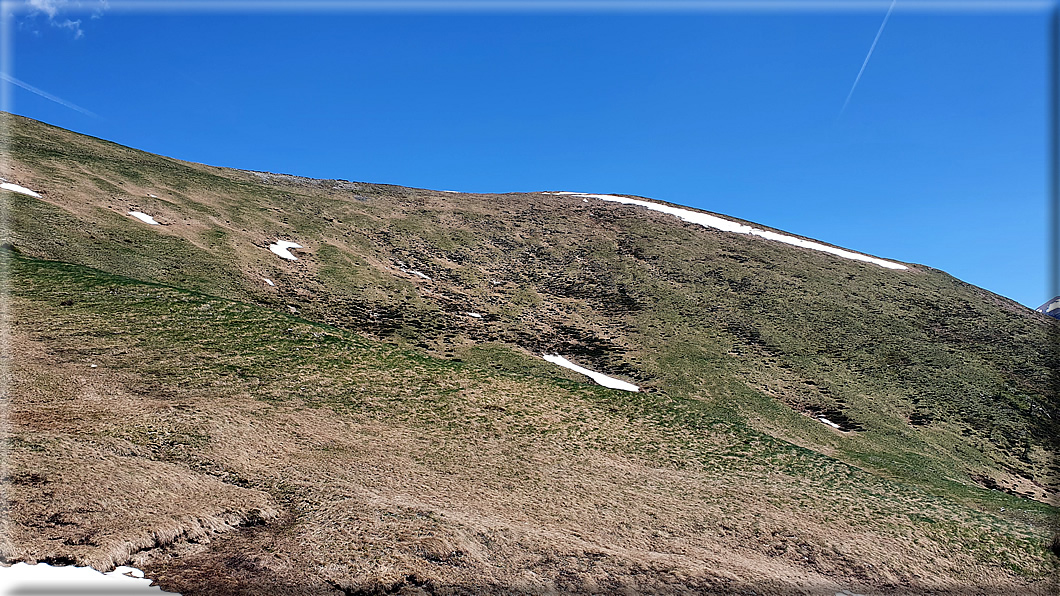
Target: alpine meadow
point(250, 383)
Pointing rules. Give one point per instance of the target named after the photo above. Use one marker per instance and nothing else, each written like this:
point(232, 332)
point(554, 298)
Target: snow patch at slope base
point(19, 189)
point(42, 578)
point(147, 219)
point(711, 221)
point(601, 379)
point(280, 249)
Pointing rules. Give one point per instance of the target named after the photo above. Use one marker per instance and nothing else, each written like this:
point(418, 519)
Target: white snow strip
point(147, 219)
point(829, 422)
point(268, 281)
point(42, 578)
point(19, 189)
point(600, 379)
point(452, 191)
point(711, 221)
point(280, 248)
point(416, 273)
point(473, 314)
point(153, 196)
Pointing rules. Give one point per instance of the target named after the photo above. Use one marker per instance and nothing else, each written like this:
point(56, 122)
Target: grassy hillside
point(353, 427)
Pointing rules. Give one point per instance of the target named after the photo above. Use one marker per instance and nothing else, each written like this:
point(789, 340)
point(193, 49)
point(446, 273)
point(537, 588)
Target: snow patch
point(42, 578)
point(473, 314)
point(147, 219)
point(601, 379)
point(419, 274)
point(280, 249)
point(269, 281)
point(711, 221)
point(829, 422)
point(19, 189)
point(153, 196)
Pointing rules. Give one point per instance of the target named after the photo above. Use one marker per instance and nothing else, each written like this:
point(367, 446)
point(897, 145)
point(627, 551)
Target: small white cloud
point(55, 12)
point(74, 26)
point(48, 7)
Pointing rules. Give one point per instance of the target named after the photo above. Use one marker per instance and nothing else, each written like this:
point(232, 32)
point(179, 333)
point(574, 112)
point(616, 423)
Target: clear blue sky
point(939, 158)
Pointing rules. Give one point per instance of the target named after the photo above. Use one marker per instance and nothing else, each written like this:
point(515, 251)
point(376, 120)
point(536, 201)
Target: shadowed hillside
point(375, 416)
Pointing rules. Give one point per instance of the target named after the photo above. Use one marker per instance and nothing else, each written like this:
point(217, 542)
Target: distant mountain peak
point(1051, 308)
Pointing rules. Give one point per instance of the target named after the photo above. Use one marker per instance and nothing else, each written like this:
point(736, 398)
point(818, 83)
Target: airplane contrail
point(869, 55)
point(10, 79)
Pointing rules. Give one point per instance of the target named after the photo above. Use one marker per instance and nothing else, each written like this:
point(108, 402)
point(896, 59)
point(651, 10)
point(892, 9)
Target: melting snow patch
point(711, 221)
point(268, 281)
point(153, 196)
point(19, 189)
point(473, 314)
point(600, 379)
point(42, 578)
point(147, 219)
point(829, 422)
point(419, 274)
point(280, 249)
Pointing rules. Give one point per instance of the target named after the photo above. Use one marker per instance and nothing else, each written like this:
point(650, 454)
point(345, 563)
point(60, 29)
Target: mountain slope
point(447, 433)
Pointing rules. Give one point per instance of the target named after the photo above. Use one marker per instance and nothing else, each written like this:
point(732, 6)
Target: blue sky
point(939, 158)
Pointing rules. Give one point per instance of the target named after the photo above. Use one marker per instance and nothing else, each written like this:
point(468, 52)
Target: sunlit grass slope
point(357, 414)
point(372, 465)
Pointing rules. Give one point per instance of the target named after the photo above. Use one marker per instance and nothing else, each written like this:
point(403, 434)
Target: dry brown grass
point(365, 504)
point(100, 500)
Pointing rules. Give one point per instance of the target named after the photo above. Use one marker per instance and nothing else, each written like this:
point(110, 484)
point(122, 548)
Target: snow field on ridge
point(711, 221)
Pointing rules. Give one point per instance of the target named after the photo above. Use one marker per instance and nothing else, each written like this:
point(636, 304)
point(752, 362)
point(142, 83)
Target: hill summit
point(246, 382)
